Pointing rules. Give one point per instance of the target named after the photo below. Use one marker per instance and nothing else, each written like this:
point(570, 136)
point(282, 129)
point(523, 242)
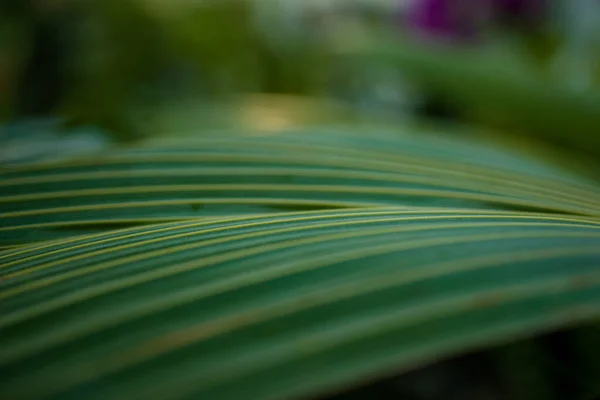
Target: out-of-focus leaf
point(219, 174)
point(34, 140)
point(494, 90)
point(120, 51)
point(283, 305)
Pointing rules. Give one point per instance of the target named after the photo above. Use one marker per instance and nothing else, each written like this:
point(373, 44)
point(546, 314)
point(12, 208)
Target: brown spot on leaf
point(488, 300)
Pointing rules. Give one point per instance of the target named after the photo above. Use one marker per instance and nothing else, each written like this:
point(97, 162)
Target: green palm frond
point(219, 175)
point(284, 305)
point(284, 265)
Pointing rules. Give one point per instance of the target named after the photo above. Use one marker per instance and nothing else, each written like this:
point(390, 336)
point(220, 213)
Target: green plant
point(269, 248)
point(493, 90)
point(233, 266)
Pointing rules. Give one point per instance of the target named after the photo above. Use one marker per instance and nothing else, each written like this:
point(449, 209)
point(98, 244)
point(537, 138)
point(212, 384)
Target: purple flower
point(460, 21)
point(447, 20)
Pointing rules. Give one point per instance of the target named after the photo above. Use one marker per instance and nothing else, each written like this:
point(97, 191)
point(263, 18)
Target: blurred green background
point(136, 68)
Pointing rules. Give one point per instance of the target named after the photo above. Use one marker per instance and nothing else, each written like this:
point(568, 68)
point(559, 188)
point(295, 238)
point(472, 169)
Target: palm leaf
point(419, 247)
point(216, 176)
point(234, 308)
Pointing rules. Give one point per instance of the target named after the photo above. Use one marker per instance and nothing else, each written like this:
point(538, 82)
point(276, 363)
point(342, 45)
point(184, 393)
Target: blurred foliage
point(283, 164)
point(126, 57)
point(496, 93)
point(114, 63)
